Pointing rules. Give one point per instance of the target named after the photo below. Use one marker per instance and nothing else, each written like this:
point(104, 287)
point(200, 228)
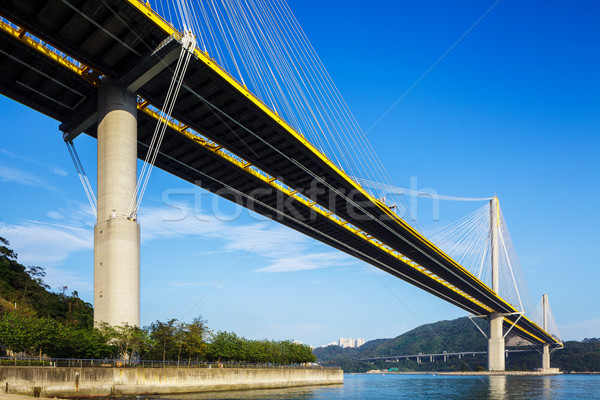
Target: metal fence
point(115, 363)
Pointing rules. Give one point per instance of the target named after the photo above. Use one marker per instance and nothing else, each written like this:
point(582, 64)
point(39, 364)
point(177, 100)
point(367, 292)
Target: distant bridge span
point(432, 356)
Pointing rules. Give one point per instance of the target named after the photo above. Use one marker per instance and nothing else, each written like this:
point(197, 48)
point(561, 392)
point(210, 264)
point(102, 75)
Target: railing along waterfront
point(121, 363)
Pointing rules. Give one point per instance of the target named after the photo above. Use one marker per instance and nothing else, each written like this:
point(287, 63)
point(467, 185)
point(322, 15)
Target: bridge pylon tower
point(545, 347)
point(116, 234)
point(496, 354)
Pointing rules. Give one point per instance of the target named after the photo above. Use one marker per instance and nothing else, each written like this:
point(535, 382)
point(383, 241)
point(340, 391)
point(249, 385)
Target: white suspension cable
point(188, 45)
point(415, 193)
point(87, 187)
point(510, 268)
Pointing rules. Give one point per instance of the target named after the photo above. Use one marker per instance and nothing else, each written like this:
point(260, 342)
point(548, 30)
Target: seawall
point(99, 381)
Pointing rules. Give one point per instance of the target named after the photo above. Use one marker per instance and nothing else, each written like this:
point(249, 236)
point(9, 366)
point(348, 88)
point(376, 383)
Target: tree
point(5, 252)
point(28, 334)
point(225, 346)
point(44, 334)
point(13, 332)
point(164, 335)
point(128, 340)
point(194, 339)
point(37, 275)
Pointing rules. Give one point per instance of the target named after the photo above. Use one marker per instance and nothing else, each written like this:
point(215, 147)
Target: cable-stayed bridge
point(118, 71)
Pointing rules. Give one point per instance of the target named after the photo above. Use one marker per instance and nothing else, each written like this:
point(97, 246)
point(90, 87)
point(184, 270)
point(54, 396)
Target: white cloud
point(57, 171)
point(50, 167)
point(305, 262)
point(8, 174)
point(58, 277)
point(46, 244)
point(74, 214)
point(55, 215)
point(49, 245)
point(284, 249)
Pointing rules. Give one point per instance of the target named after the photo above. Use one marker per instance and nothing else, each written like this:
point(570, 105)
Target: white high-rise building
point(343, 342)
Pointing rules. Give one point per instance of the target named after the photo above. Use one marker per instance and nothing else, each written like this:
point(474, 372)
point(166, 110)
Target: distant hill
point(454, 336)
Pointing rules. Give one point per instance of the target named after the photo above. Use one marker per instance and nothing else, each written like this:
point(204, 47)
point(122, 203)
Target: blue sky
point(513, 110)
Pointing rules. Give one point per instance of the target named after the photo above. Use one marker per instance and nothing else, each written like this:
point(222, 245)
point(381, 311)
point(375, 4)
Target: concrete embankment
point(552, 371)
point(89, 382)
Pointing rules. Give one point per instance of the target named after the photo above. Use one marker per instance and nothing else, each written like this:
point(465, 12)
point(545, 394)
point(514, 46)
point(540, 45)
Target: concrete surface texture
point(74, 382)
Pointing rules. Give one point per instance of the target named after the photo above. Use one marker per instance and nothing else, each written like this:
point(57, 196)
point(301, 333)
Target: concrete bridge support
point(496, 355)
point(496, 361)
point(116, 237)
point(546, 358)
point(546, 347)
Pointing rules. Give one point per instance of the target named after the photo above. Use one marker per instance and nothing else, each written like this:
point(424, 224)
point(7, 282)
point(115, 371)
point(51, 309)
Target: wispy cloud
point(46, 244)
point(284, 249)
point(74, 214)
point(305, 262)
point(10, 174)
point(58, 277)
point(50, 167)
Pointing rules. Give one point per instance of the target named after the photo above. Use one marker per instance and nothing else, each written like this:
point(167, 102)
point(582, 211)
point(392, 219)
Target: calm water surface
point(433, 387)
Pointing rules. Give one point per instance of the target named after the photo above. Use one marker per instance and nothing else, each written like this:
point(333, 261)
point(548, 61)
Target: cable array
point(188, 45)
point(394, 190)
point(468, 241)
point(538, 317)
point(87, 187)
point(262, 44)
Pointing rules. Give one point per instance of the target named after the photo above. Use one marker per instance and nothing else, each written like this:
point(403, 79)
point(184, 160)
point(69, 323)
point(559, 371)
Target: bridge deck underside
point(112, 37)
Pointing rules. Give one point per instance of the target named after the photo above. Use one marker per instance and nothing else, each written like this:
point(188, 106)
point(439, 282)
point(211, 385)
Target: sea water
point(432, 387)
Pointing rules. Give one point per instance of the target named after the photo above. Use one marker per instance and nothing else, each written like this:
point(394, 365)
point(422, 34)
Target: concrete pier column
point(546, 357)
point(496, 361)
point(116, 238)
point(546, 348)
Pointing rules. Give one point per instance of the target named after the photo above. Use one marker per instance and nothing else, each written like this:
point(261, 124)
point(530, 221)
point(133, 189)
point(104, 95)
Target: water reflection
point(547, 387)
point(497, 389)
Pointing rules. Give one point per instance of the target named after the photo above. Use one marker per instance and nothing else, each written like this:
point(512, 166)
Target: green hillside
point(451, 336)
point(454, 336)
point(22, 290)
